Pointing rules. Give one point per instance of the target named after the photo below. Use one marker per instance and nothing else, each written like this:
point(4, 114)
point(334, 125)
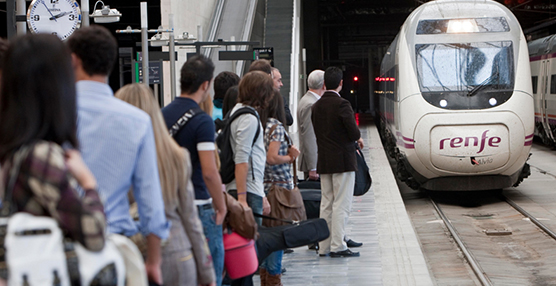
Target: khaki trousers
point(335, 207)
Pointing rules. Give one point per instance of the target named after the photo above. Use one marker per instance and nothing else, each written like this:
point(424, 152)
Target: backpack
point(227, 164)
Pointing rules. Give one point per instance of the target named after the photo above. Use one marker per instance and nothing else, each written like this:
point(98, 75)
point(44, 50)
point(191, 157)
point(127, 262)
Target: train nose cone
point(468, 149)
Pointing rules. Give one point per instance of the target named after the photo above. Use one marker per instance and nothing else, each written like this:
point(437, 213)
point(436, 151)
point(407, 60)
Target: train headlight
point(462, 26)
point(443, 103)
point(492, 101)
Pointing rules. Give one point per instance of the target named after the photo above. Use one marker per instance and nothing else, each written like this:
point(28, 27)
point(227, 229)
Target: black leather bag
point(363, 179)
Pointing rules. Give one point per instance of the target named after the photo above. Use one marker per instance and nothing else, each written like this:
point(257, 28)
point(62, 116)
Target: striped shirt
point(117, 144)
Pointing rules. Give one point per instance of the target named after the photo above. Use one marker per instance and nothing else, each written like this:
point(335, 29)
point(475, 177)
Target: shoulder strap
point(182, 121)
point(249, 110)
point(274, 218)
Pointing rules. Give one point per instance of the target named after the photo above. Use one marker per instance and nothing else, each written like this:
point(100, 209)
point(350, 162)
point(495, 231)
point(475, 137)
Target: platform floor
point(390, 255)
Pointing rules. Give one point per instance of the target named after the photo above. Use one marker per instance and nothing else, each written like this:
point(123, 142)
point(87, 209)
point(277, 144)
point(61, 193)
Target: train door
point(544, 96)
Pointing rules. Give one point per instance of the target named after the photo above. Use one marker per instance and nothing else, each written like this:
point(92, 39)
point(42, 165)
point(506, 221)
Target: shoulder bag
point(363, 179)
point(239, 218)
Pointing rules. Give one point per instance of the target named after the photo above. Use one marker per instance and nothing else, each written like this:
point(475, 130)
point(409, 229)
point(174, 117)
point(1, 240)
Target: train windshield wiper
point(482, 85)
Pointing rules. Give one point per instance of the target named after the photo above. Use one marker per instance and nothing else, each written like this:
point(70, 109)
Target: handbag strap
point(359, 150)
point(296, 222)
point(182, 121)
point(290, 143)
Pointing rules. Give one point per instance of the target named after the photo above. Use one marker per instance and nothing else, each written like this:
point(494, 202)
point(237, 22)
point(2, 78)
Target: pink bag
point(240, 257)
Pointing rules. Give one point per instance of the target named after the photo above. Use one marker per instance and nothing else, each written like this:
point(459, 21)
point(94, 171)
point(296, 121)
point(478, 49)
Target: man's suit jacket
point(307, 140)
point(336, 132)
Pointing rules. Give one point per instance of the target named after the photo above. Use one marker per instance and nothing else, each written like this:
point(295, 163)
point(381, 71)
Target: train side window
point(535, 82)
point(553, 84)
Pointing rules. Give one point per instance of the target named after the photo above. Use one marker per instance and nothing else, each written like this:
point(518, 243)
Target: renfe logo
point(458, 142)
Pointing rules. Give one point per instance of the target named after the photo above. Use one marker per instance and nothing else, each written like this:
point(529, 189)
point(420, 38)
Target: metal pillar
point(21, 10)
point(172, 51)
point(145, 43)
point(84, 13)
point(10, 18)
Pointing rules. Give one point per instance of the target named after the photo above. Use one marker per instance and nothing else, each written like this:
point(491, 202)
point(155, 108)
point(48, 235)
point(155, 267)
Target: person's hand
point(360, 143)
point(293, 152)
point(313, 175)
point(220, 216)
point(79, 170)
point(266, 206)
point(154, 273)
point(243, 201)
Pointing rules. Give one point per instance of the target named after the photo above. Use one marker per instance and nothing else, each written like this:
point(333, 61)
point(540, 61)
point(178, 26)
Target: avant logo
point(458, 142)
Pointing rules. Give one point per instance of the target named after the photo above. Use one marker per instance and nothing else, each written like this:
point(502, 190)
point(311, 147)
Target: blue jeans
point(273, 263)
point(213, 234)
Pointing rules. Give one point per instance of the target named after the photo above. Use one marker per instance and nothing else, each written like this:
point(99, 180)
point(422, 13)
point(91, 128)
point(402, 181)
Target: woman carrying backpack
point(277, 175)
point(37, 117)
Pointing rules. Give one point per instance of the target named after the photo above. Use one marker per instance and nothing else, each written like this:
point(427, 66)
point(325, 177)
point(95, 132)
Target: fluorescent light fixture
point(105, 15)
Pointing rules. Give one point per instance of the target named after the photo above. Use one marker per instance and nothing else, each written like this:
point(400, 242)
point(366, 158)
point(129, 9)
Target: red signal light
point(355, 78)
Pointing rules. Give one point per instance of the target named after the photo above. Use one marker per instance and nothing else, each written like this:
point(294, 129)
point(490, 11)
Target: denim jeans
point(255, 202)
point(273, 263)
point(213, 234)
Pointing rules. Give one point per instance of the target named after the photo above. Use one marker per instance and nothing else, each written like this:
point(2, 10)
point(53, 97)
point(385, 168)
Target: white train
point(456, 101)
point(543, 74)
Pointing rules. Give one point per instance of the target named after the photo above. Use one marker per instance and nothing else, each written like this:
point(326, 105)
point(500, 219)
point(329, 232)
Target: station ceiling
point(356, 23)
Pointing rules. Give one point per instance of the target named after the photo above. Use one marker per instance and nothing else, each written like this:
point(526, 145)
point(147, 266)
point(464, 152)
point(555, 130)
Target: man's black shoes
point(351, 244)
point(344, 253)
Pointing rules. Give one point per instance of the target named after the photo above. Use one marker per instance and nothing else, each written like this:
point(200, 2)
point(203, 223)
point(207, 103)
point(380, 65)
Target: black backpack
point(227, 164)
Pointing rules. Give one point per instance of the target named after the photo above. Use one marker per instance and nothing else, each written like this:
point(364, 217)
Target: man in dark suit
point(336, 132)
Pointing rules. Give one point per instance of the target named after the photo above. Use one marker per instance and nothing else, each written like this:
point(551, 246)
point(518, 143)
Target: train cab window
point(465, 75)
point(458, 26)
point(535, 80)
point(553, 84)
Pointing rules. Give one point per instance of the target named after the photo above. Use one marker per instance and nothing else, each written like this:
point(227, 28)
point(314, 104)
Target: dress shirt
point(117, 144)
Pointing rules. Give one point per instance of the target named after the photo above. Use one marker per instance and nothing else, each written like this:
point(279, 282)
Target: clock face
point(57, 17)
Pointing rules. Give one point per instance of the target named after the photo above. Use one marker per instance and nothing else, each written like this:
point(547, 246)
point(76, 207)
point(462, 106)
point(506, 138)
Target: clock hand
point(59, 15)
point(42, 1)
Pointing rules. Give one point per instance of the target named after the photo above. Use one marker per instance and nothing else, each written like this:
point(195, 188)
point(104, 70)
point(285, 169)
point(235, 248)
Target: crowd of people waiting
point(94, 161)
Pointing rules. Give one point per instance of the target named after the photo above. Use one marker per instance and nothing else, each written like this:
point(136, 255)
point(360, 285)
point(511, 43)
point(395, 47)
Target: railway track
point(474, 263)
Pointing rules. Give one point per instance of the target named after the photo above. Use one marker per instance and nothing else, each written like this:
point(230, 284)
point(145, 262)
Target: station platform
point(390, 255)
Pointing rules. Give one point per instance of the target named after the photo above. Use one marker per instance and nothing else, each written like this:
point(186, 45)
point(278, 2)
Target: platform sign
point(264, 53)
point(155, 70)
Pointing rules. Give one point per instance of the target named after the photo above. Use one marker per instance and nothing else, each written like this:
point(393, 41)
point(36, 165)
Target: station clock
point(57, 17)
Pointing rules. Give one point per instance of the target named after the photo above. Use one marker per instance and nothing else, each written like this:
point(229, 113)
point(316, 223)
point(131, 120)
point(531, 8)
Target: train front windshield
point(465, 75)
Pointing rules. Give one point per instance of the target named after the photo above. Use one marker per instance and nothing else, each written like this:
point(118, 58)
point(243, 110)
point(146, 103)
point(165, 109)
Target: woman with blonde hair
point(186, 254)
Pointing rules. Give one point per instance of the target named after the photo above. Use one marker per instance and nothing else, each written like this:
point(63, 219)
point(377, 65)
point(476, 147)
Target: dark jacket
point(336, 132)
